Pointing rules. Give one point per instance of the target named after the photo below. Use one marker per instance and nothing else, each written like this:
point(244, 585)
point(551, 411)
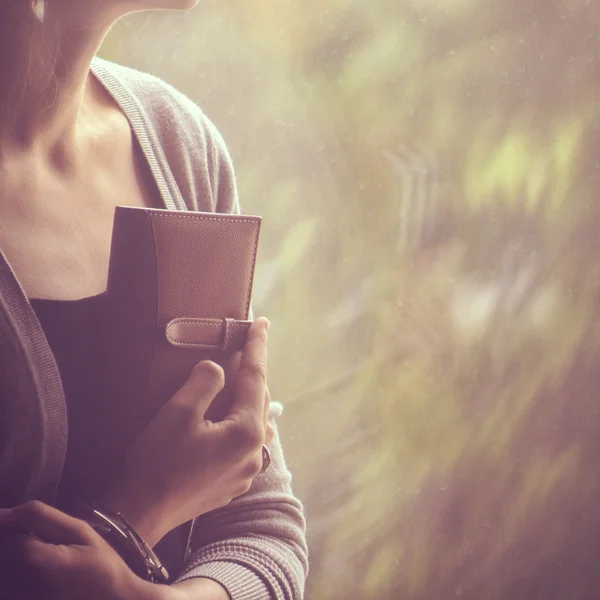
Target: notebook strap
point(209, 334)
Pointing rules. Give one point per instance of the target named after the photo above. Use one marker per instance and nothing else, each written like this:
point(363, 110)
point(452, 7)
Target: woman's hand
point(182, 465)
point(48, 555)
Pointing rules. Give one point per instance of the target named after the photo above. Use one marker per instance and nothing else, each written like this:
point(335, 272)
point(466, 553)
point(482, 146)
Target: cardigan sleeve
point(255, 546)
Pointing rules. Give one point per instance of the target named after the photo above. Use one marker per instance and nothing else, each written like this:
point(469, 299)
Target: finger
point(38, 563)
point(47, 523)
point(26, 551)
point(266, 409)
point(269, 434)
point(251, 382)
point(206, 380)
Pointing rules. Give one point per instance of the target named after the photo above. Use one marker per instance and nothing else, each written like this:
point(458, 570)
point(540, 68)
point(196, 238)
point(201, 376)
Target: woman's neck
point(45, 87)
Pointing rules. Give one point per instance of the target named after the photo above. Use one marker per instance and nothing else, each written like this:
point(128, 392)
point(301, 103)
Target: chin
point(180, 4)
point(166, 4)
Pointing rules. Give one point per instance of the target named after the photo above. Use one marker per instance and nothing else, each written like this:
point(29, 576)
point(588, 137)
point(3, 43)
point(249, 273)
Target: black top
point(76, 332)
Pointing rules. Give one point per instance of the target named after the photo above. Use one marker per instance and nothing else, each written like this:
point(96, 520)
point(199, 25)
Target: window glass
point(428, 174)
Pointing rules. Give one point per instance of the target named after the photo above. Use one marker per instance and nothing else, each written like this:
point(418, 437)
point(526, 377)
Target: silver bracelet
point(125, 540)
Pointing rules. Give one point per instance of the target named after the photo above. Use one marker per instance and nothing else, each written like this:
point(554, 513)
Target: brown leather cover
point(179, 290)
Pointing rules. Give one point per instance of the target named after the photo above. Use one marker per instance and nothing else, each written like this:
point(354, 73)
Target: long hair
point(21, 52)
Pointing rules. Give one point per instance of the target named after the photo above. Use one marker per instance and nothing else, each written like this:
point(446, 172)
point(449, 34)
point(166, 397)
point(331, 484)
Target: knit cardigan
point(255, 546)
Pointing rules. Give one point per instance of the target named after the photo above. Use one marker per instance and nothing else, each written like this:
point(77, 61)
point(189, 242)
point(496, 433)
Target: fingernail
point(267, 324)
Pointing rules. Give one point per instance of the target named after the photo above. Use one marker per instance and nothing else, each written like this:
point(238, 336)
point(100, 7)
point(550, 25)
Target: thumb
point(206, 380)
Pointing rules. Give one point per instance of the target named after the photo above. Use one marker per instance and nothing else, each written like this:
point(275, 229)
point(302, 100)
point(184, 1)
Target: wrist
point(144, 590)
point(197, 588)
point(144, 518)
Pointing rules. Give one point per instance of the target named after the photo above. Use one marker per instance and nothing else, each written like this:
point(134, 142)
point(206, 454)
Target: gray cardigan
point(255, 546)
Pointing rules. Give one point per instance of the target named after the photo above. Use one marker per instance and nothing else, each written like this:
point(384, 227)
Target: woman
point(79, 136)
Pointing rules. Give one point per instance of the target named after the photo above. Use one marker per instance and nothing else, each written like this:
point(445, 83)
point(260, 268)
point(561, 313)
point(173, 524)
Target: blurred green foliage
point(428, 175)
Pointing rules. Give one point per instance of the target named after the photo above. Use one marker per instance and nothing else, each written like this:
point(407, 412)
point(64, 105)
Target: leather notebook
point(179, 288)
